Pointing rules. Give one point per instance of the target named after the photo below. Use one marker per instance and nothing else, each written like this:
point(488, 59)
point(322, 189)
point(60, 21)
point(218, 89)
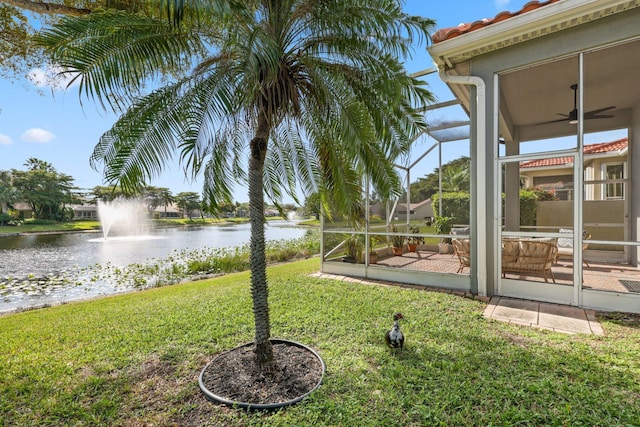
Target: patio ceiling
point(536, 95)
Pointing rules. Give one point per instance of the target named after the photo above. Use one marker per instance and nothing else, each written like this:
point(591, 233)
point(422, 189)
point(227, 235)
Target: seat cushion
point(460, 231)
point(510, 250)
point(565, 242)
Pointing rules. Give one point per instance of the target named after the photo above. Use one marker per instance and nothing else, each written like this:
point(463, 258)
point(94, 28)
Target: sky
point(57, 126)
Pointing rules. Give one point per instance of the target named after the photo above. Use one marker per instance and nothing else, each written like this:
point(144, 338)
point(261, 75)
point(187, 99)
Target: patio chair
point(458, 231)
point(462, 248)
point(565, 246)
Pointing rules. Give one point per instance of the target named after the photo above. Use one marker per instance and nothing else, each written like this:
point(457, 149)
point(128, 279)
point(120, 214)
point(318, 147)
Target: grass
point(134, 359)
point(40, 226)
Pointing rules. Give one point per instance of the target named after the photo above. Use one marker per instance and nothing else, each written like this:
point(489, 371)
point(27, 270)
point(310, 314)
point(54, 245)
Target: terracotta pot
point(398, 251)
point(444, 248)
point(412, 247)
point(373, 258)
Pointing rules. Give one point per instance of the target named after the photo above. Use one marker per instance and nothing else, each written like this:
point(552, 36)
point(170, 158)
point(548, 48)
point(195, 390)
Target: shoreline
point(98, 230)
point(154, 226)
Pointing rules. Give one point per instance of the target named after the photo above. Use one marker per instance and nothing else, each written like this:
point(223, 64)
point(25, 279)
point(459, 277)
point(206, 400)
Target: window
point(589, 191)
point(614, 172)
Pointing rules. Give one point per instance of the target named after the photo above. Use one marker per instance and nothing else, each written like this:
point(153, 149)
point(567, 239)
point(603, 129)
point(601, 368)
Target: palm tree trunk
point(259, 287)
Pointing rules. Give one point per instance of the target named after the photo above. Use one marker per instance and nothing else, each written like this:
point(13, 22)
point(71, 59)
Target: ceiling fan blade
point(573, 114)
point(599, 110)
point(598, 116)
point(553, 121)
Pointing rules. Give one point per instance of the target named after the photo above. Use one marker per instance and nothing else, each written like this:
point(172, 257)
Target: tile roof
point(402, 207)
point(601, 147)
point(605, 147)
point(452, 32)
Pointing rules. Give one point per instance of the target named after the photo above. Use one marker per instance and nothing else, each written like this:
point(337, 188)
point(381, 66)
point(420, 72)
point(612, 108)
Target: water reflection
point(46, 255)
point(42, 254)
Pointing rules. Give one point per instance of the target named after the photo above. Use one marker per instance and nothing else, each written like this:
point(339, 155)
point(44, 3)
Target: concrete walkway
point(555, 317)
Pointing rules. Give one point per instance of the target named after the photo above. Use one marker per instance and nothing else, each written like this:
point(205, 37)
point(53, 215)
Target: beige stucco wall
point(604, 220)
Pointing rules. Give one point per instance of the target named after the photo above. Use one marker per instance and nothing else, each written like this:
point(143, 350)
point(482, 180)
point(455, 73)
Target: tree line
point(50, 194)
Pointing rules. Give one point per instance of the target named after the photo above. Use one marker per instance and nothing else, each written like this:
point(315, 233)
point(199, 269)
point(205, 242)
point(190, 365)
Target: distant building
point(85, 212)
point(605, 161)
point(417, 211)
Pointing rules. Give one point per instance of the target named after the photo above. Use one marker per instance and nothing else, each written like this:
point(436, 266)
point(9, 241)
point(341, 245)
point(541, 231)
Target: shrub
point(455, 205)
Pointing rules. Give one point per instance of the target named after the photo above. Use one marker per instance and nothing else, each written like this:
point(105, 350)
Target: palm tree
point(455, 177)
point(316, 88)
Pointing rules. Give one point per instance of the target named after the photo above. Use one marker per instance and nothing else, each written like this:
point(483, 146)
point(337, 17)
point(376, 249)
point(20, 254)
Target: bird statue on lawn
point(395, 337)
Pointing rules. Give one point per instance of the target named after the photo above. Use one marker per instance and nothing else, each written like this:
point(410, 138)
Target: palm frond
point(113, 54)
point(326, 76)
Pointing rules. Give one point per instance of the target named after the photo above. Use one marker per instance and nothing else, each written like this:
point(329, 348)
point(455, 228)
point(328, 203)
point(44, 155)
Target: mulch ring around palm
point(234, 378)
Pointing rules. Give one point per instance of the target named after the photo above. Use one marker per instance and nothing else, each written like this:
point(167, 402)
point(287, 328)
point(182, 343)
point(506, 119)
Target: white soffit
point(527, 26)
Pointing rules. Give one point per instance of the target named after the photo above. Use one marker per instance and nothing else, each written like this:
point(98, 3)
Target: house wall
point(603, 219)
point(421, 213)
point(85, 215)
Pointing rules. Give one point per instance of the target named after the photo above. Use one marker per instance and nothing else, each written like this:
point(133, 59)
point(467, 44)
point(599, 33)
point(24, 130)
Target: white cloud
point(37, 135)
point(5, 140)
point(50, 77)
point(501, 4)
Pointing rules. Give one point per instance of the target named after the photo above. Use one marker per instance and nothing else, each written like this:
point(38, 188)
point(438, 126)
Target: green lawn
point(134, 359)
point(50, 226)
point(41, 226)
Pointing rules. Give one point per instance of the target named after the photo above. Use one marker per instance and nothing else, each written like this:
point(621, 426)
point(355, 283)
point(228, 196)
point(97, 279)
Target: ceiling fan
point(572, 117)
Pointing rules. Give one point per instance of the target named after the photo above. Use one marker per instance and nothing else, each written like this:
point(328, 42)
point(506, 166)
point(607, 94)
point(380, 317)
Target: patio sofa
point(529, 256)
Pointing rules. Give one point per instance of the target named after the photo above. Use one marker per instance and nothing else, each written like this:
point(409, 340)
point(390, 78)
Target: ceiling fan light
point(573, 122)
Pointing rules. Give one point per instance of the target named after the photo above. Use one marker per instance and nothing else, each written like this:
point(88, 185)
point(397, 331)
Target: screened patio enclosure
point(368, 251)
point(545, 86)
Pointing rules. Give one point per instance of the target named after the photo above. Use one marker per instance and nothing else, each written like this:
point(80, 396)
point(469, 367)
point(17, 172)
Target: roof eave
point(536, 23)
point(545, 168)
point(616, 153)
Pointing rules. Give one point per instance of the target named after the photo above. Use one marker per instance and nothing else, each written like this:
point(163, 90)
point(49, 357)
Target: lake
point(26, 258)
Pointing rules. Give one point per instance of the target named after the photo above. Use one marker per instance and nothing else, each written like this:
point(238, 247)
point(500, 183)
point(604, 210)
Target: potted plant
point(353, 248)
point(443, 225)
point(397, 242)
point(414, 241)
point(373, 255)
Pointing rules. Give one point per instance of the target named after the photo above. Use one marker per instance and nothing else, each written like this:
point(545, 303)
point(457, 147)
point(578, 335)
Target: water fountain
point(123, 219)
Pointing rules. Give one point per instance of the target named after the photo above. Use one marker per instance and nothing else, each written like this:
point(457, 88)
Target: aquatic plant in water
point(182, 265)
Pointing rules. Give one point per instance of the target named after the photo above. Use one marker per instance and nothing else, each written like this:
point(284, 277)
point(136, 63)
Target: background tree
point(188, 201)
point(8, 194)
point(312, 205)
point(166, 198)
point(313, 91)
point(47, 191)
point(455, 177)
point(20, 20)
point(107, 194)
point(152, 197)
